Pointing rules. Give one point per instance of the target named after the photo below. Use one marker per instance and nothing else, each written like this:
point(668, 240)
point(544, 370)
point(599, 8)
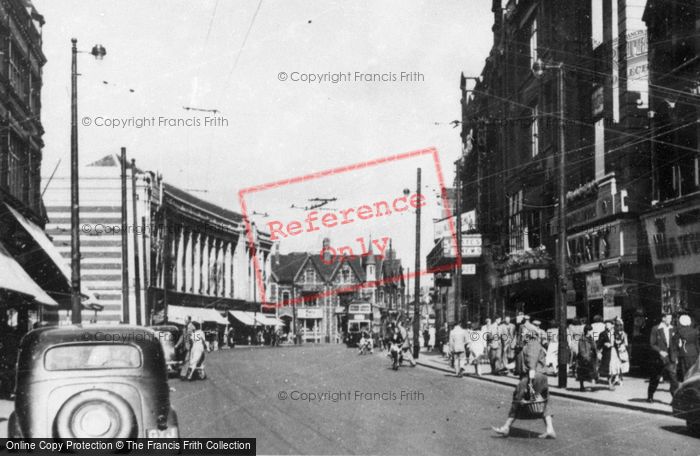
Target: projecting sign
point(468, 269)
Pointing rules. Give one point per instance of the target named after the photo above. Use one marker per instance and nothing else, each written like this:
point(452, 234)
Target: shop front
point(673, 233)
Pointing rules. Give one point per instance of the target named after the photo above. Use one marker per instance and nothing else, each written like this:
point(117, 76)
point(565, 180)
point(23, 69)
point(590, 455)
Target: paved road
point(439, 414)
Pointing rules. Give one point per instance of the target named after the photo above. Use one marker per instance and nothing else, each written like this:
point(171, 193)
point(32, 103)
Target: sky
point(251, 61)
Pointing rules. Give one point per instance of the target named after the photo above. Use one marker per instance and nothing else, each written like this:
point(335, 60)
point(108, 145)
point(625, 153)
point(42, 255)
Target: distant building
point(192, 254)
point(313, 293)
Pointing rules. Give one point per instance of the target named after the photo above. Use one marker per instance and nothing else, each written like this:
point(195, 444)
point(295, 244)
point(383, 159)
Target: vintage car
point(686, 400)
point(168, 335)
point(92, 382)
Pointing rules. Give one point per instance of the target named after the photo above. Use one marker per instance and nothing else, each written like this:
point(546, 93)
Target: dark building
point(33, 280)
point(673, 223)
point(509, 167)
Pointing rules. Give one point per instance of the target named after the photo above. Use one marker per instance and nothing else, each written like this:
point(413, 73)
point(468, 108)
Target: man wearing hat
point(661, 341)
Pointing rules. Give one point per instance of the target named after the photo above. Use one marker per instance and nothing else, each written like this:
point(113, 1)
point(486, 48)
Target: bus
point(359, 319)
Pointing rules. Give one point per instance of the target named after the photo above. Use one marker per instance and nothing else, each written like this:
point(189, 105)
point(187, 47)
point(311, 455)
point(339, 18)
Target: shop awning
point(247, 318)
point(13, 277)
point(44, 242)
point(269, 320)
point(178, 314)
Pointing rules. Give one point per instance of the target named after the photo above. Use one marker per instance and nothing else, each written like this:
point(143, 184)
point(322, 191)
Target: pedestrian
point(552, 346)
point(621, 345)
point(687, 340)
point(667, 355)
point(184, 344)
point(198, 351)
point(406, 348)
point(534, 358)
point(507, 332)
point(458, 342)
point(426, 338)
point(495, 349)
point(586, 358)
point(609, 362)
point(431, 338)
point(477, 347)
point(575, 333)
point(521, 338)
point(598, 327)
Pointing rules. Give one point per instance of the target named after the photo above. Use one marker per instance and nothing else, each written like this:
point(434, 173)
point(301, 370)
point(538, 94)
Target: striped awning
point(14, 278)
point(44, 242)
point(247, 318)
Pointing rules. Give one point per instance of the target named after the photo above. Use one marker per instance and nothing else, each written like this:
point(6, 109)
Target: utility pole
point(458, 267)
point(76, 306)
point(125, 248)
point(416, 297)
point(137, 264)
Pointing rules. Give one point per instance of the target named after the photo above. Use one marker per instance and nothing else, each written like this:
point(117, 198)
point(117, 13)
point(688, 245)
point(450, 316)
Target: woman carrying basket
point(533, 386)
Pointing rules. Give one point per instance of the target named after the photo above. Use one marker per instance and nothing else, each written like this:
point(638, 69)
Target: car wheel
point(13, 430)
point(95, 414)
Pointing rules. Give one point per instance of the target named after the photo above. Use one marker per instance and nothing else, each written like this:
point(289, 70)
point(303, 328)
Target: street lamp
point(416, 297)
point(98, 51)
point(538, 69)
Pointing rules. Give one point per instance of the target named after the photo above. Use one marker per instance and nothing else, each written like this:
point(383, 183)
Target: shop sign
point(597, 100)
point(468, 269)
point(309, 313)
point(594, 286)
point(471, 246)
point(674, 241)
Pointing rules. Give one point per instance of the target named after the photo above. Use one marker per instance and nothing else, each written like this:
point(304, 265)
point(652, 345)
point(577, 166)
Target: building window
point(596, 23)
point(516, 232)
point(535, 132)
point(285, 297)
point(310, 275)
point(599, 157)
point(345, 275)
point(533, 41)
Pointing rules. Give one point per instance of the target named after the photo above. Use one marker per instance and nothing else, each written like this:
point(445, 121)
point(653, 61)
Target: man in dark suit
point(667, 353)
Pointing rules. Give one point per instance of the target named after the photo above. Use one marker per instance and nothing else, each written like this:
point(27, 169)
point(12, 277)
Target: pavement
point(630, 395)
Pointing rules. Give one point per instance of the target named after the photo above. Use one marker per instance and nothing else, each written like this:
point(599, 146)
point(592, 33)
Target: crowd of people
point(596, 351)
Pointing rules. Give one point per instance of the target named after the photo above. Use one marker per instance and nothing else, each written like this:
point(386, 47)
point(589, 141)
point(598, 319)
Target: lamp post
point(416, 292)
point(98, 51)
point(538, 69)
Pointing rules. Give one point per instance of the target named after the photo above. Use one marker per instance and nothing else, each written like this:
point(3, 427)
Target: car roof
point(51, 335)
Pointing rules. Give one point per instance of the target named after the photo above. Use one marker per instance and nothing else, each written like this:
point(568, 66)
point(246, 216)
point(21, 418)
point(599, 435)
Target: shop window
point(515, 223)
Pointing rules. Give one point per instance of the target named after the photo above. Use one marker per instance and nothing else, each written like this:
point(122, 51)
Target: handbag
point(623, 354)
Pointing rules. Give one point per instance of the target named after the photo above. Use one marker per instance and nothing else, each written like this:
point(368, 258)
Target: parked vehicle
point(168, 335)
point(686, 400)
point(92, 382)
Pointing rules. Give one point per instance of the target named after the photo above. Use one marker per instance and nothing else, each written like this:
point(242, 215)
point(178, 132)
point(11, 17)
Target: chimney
point(327, 255)
point(277, 254)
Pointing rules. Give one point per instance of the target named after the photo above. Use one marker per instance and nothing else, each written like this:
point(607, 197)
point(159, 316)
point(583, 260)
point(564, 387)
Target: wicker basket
point(530, 409)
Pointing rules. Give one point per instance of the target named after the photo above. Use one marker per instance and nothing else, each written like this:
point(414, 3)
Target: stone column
point(189, 238)
point(204, 288)
point(179, 260)
point(197, 268)
point(228, 270)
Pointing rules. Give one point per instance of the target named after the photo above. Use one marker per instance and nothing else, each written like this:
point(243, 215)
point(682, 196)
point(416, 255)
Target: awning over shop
point(269, 320)
point(247, 318)
point(13, 277)
point(178, 314)
point(44, 242)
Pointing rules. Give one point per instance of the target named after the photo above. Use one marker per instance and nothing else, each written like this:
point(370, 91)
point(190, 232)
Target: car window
point(92, 356)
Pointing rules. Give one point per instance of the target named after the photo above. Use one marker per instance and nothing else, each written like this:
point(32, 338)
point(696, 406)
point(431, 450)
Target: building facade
point(186, 252)
point(672, 224)
point(313, 292)
point(33, 280)
point(508, 169)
